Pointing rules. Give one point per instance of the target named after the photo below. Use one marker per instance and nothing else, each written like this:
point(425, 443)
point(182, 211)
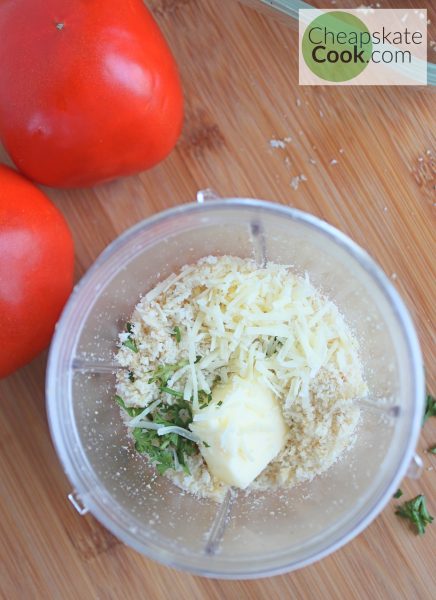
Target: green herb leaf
point(120, 401)
point(160, 448)
point(416, 511)
point(172, 392)
point(179, 414)
point(180, 451)
point(132, 411)
point(130, 342)
point(204, 398)
point(430, 408)
point(164, 466)
point(162, 374)
point(148, 442)
point(131, 345)
point(398, 493)
point(206, 445)
point(177, 334)
point(143, 439)
point(219, 403)
point(131, 376)
point(189, 448)
point(432, 450)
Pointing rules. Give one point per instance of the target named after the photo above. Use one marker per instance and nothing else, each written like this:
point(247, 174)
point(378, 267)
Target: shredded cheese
point(179, 430)
point(246, 320)
point(136, 420)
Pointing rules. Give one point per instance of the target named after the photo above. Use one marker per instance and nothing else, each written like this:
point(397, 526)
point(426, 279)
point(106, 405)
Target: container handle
point(206, 195)
point(77, 501)
point(415, 468)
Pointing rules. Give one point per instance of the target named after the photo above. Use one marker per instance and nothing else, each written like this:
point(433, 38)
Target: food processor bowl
point(253, 535)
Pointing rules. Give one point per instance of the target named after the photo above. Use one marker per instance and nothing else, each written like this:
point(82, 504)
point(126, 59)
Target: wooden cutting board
point(361, 158)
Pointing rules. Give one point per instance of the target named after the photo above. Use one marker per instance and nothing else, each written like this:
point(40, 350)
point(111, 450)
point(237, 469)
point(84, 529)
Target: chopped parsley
point(168, 451)
point(432, 450)
point(119, 401)
point(132, 411)
point(161, 449)
point(170, 391)
point(416, 511)
point(131, 345)
point(130, 342)
point(179, 414)
point(204, 398)
point(398, 493)
point(148, 442)
point(430, 408)
point(177, 334)
point(162, 374)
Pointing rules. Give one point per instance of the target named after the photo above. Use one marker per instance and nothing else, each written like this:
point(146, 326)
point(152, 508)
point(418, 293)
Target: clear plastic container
point(265, 533)
point(287, 11)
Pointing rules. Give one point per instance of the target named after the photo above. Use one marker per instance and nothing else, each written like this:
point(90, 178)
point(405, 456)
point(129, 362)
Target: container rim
point(77, 477)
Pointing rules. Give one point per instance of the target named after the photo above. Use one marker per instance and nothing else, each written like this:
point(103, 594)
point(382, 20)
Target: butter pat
point(243, 430)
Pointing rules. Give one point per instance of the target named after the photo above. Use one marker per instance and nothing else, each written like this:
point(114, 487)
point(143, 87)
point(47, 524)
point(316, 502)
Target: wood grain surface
point(368, 160)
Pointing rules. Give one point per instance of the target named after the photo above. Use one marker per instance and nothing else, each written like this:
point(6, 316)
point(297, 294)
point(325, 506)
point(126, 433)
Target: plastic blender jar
point(259, 534)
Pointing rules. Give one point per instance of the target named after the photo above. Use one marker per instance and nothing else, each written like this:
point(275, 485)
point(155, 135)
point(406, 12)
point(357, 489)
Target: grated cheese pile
point(246, 320)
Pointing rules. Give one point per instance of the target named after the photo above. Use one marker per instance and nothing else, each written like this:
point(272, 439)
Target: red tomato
point(89, 90)
point(36, 270)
